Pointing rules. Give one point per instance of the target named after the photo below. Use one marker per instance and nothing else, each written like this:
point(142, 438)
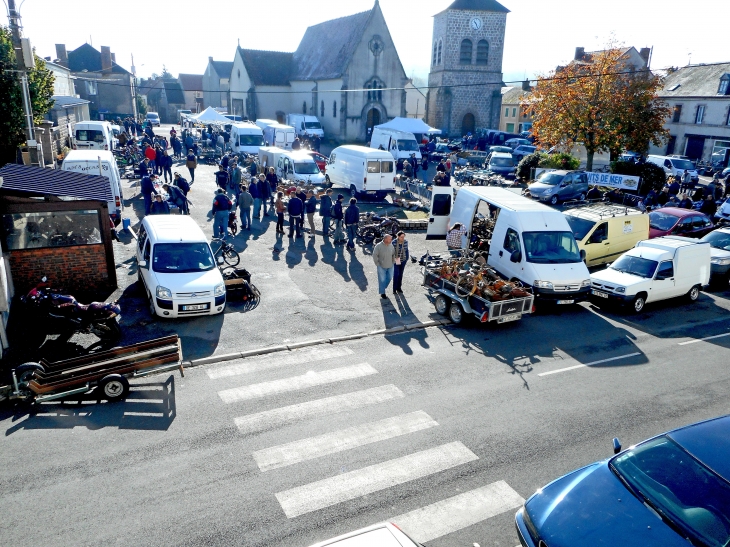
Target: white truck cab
point(530, 241)
point(246, 138)
point(295, 165)
point(305, 125)
point(361, 170)
point(400, 144)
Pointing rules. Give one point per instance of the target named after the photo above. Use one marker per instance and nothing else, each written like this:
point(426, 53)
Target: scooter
point(63, 313)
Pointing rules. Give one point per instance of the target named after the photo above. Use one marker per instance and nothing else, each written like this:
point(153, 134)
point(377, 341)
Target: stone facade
point(456, 103)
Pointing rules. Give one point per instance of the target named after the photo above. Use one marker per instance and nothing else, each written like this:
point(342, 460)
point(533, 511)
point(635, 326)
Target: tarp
point(410, 125)
point(210, 115)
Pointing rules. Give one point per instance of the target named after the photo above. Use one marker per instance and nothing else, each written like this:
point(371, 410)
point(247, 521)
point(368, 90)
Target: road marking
point(703, 339)
point(294, 383)
point(339, 441)
point(296, 357)
point(348, 486)
point(260, 421)
point(590, 364)
point(452, 514)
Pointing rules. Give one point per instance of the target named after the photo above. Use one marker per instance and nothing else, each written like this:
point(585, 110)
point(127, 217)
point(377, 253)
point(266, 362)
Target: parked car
point(557, 186)
point(380, 535)
point(523, 150)
point(497, 148)
point(502, 164)
point(675, 221)
point(319, 159)
point(719, 241)
point(153, 118)
point(514, 143)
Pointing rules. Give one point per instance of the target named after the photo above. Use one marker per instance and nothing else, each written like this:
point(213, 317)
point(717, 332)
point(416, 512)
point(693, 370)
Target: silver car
point(556, 186)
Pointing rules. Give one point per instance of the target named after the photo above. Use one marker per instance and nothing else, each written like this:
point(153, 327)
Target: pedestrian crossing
point(424, 524)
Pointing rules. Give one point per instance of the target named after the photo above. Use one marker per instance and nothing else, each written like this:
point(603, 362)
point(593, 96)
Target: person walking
point(191, 162)
point(151, 155)
point(384, 258)
point(401, 259)
point(352, 219)
point(159, 207)
point(280, 207)
point(311, 208)
point(453, 238)
point(147, 188)
point(176, 196)
point(264, 193)
point(158, 159)
point(181, 183)
point(296, 210)
point(325, 211)
point(144, 167)
point(339, 218)
point(221, 209)
point(273, 181)
point(166, 164)
point(221, 178)
point(245, 200)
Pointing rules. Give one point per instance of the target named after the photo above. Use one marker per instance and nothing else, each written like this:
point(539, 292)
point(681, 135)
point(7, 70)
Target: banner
point(625, 182)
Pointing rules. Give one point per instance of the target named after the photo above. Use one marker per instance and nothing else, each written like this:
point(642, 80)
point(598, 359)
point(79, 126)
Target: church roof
point(478, 5)
point(267, 67)
point(326, 48)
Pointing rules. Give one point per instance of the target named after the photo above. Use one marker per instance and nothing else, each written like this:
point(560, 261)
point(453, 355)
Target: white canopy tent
point(210, 115)
point(410, 125)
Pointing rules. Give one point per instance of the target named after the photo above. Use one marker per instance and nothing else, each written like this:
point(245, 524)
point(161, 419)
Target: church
point(465, 78)
point(350, 53)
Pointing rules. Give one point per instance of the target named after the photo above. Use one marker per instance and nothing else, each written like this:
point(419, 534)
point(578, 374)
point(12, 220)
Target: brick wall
point(81, 267)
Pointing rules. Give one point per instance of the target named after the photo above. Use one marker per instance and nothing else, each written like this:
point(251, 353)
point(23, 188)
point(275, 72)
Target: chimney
point(106, 60)
point(579, 53)
point(526, 86)
point(210, 59)
point(645, 53)
point(62, 55)
point(114, 57)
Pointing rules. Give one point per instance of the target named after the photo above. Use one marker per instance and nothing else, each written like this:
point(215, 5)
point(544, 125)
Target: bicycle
point(226, 250)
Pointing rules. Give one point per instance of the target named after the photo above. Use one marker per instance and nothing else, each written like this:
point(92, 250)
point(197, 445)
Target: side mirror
point(583, 254)
point(142, 264)
point(616, 445)
point(516, 256)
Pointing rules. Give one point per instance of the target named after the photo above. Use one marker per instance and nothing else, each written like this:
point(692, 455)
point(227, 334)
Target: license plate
point(566, 301)
point(599, 293)
point(508, 318)
point(194, 307)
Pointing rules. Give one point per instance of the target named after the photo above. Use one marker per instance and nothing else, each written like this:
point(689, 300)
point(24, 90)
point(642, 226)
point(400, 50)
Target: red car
point(679, 222)
point(319, 159)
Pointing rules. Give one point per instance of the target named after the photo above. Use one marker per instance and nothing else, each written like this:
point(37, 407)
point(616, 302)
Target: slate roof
point(478, 5)
point(191, 82)
point(174, 92)
point(86, 57)
point(513, 95)
point(326, 48)
point(61, 101)
point(267, 67)
point(695, 81)
point(223, 68)
point(39, 181)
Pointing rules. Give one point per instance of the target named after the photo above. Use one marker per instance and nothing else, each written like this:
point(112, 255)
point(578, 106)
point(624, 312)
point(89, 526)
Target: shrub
point(528, 163)
point(561, 160)
point(651, 175)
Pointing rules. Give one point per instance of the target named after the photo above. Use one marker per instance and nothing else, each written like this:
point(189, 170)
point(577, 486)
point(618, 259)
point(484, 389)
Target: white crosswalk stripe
point(452, 514)
point(339, 441)
point(261, 421)
point(294, 383)
point(279, 360)
point(333, 490)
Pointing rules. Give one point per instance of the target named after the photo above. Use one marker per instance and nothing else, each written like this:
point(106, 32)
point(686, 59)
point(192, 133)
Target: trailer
point(106, 373)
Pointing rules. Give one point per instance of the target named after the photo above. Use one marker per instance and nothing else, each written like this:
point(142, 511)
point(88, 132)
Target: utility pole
point(134, 90)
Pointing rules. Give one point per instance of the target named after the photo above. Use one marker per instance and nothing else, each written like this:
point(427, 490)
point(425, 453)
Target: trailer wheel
point(24, 374)
point(114, 387)
point(456, 313)
point(442, 304)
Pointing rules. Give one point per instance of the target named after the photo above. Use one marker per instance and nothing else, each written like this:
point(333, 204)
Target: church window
point(441, 47)
point(435, 49)
point(482, 52)
point(321, 109)
point(304, 107)
point(375, 90)
point(465, 52)
point(334, 109)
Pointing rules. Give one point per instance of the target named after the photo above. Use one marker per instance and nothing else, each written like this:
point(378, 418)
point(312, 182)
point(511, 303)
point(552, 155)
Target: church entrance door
point(468, 124)
point(372, 120)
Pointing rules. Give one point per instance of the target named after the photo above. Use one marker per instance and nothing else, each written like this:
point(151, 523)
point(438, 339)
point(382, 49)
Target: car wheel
point(638, 304)
point(555, 200)
point(456, 313)
point(442, 304)
point(694, 293)
point(582, 197)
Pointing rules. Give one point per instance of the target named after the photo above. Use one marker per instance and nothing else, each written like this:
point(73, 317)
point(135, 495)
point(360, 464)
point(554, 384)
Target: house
point(513, 117)
point(164, 96)
point(355, 52)
point(67, 109)
point(699, 125)
point(215, 83)
point(638, 59)
point(415, 102)
point(100, 80)
point(192, 86)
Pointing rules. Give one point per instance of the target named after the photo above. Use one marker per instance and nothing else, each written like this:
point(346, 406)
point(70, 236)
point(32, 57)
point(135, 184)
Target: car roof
point(299, 155)
point(501, 155)
point(89, 155)
point(708, 441)
point(677, 212)
point(600, 211)
point(173, 229)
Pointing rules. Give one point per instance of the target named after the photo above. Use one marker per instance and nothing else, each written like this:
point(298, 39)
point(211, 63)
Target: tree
point(601, 102)
point(12, 118)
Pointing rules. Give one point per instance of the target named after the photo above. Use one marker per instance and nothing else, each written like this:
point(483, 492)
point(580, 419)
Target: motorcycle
point(381, 226)
point(232, 222)
point(63, 313)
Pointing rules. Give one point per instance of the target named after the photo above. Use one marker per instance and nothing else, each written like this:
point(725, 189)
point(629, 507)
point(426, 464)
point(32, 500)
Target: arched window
point(334, 109)
point(441, 47)
point(435, 48)
point(304, 107)
point(465, 52)
point(375, 92)
point(321, 110)
point(482, 52)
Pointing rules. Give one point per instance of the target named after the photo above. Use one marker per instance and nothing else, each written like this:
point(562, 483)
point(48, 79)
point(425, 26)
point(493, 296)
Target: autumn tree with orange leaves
point(601, 102)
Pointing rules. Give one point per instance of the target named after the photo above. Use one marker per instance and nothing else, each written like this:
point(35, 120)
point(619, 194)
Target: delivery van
point(656, 269)
point(523, 239)
point(361, 170)
point(400, 144)
point(305, 126)
point(606, 230)
point(294, 165)
point(99, 162)
point(276, 134)
point(246, 138)
point(93, 135)
point(674, 167)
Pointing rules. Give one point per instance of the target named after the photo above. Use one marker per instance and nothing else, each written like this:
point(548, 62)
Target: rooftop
point(695, 81)
point(37, 181)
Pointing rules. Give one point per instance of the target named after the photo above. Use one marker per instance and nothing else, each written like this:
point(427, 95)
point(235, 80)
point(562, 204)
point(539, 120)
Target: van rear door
point(442, 198)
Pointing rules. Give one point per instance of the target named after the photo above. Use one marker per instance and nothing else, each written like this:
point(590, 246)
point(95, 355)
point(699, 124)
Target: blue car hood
point(590, 507)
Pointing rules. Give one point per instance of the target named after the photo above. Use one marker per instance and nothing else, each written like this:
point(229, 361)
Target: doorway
point(694, 148)
point(373, 119)
point(468, 124)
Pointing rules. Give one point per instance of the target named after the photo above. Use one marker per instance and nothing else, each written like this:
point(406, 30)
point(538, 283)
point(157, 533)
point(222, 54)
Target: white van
point(93, 135)
point(177, 268)
point(296, 165)
point(674, 167)
point(656, 269)
point(400, 144)
point(305, 126)
point(362, 170)
point(281, 136)
point(530, 241)
point(246, 137)
point(99, 162)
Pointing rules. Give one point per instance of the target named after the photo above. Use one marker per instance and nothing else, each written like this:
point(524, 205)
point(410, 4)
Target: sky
point(540, 33)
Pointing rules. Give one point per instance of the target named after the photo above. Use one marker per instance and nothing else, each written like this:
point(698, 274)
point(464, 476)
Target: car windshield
point(506, 149)
point(687, 495)
point(525, 148)
point(502, 162)
point(312, 125)
point(306, 168)
point(683, 164)
point(643, 267)
point(152, 116)
point(408, 145)
point(580, 226)
point(551, 247)
point(551, 179)
point(182, 258)
point(661, 221)
point(89, 135)
point(718, 240)
point(250, 140)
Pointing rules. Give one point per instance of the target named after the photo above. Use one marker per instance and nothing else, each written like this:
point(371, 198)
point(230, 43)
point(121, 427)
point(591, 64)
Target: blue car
point(673, 489)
